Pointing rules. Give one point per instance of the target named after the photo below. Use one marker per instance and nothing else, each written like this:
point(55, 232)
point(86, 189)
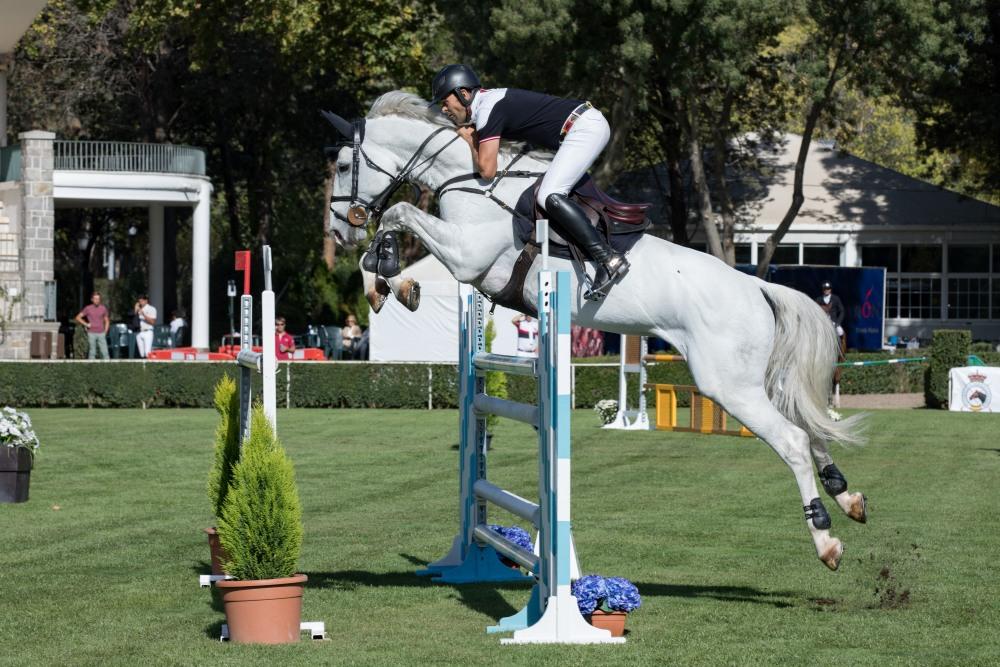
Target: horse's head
point(363, 184)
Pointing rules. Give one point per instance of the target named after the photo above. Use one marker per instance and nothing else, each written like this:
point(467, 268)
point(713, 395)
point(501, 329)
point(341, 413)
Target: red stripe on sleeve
point(483, 141)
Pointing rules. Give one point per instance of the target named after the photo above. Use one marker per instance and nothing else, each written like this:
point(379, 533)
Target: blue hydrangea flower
point(622, 594)
point(515, 534)
point(589, 591)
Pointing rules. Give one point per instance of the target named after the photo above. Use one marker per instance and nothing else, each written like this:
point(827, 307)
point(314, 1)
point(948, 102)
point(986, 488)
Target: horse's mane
point(408, 105)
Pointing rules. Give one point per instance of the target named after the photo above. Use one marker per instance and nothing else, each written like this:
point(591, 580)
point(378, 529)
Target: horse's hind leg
point(855, 505)
point(751, 406)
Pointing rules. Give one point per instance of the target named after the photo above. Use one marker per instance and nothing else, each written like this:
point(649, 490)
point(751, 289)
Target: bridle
point(361, 212)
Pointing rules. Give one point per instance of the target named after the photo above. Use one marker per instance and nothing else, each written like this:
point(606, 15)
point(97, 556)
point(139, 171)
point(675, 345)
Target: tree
point(878, 44)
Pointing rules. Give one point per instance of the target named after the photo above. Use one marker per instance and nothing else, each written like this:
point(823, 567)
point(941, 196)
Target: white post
point(200, 242)
point(269, 364)
point(155, 276)
point(3, 100)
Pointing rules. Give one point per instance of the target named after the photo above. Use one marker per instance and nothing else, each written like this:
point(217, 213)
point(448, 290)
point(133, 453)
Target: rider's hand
point(467, 132)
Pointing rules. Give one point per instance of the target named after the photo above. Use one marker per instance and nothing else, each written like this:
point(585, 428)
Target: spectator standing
point(351, 335)
point(146, 314)
point(834, 309)
point(284, 344)
point(94, 316)
point(527, 335)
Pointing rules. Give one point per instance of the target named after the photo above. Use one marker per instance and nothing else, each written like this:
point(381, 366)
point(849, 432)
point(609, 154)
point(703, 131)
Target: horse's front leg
point(409, 217)
point(376, 288)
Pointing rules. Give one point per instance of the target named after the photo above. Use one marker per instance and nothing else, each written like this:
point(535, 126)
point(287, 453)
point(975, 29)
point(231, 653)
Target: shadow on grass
point(778, 599)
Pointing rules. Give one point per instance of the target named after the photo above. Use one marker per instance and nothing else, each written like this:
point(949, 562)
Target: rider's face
point(453, 108)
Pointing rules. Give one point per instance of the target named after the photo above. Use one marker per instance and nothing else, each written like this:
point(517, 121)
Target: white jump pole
point(269, 365)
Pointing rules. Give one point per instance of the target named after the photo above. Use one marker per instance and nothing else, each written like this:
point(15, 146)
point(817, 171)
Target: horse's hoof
point(859, 508)
point(409, 294)
point(376, 300)
point(832, 553)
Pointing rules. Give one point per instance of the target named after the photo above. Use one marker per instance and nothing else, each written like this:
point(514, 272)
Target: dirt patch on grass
point(882, 401)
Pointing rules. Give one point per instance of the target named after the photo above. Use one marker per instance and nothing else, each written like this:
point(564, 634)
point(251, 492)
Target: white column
point(851, 256)
point(753, 251)
point(3, 102)
point(156, 261)
point(200, 240)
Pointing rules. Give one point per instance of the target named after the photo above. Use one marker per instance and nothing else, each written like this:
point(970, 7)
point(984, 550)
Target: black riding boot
point(573, 223)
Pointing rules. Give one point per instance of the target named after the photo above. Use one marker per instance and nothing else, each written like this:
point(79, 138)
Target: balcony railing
point(129, 157)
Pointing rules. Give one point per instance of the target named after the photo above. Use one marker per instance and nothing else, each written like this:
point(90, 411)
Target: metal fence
point(122, 156)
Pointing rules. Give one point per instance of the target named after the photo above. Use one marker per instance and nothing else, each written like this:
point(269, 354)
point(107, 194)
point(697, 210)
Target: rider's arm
point(484, 154)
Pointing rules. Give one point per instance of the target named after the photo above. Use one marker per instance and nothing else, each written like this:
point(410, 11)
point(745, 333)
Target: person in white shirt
point(527, 335)
point(147, 320)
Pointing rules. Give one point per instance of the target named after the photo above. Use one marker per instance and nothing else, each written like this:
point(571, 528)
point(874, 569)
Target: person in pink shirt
point(284, 345)
point(95, 317)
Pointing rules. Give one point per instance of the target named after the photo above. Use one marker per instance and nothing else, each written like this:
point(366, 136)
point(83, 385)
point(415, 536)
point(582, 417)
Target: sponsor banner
point(974, 389)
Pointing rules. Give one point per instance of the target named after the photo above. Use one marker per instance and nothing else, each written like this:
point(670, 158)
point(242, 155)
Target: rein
point(360, 211)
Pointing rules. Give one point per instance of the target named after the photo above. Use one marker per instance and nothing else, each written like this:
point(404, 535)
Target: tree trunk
point(721, 150)
point(818, 105)
point(329, 244)
point(701, 184)
point(609, 168)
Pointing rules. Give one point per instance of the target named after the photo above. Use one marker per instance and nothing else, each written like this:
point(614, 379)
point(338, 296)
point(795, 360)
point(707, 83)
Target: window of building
point(968, 259)
point(786, 254)
point(920, 259)
point(881, 255)
point(827, 255)
point(917, 297)
point(968, 298)
point(996, 289)
point(996, 258)
point(742, 253)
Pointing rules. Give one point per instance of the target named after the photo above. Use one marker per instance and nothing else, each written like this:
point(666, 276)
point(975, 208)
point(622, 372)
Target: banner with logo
point(974, 389)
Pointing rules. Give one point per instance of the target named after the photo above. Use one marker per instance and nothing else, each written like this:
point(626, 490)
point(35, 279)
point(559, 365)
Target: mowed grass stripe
point(709, 527)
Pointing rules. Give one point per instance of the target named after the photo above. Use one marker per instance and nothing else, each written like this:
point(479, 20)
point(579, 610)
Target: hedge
point(136, 384)
point(949, 349)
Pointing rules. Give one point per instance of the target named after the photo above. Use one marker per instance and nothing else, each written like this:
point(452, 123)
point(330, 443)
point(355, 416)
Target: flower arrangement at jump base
point(18, 444)
point(518, 536)
point(606, 602)
point(606, 410)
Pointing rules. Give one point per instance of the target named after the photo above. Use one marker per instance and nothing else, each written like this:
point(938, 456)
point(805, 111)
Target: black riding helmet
point(450, 79)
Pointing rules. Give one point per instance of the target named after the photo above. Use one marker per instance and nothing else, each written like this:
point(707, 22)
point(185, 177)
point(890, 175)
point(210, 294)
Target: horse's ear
point(343, 126)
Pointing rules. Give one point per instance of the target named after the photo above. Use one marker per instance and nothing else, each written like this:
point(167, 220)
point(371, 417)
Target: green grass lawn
point(100, 566)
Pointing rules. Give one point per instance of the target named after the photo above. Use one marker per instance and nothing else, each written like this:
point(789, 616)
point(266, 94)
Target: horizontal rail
point(663, 357)
point(250, 359)
point(487, 361)
point(511, 502)
point(521, 412)
point(503, 546)
point(880, 362)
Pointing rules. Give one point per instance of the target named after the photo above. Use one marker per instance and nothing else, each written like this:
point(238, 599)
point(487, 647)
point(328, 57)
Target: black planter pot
point(15, 474)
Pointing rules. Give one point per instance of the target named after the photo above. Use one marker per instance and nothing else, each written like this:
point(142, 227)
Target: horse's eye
point(342, 168)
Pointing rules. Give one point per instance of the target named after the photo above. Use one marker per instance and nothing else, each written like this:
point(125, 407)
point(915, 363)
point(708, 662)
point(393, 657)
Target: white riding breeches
point(144, 341)
point(580, 148)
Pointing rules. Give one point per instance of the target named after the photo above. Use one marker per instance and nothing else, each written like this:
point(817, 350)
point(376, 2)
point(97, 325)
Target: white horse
point(764, 352)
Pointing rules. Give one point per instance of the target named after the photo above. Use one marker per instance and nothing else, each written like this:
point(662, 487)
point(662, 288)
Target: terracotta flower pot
point(267, 611)
point(218, 554)
point(609, 620)
point(15, 474)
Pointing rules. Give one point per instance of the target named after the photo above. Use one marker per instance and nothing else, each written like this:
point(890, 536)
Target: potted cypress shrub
point(18, 444)
point(227, 452)
point(261, 531)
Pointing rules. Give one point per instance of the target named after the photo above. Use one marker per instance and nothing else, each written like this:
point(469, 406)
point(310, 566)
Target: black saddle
point(621, 224)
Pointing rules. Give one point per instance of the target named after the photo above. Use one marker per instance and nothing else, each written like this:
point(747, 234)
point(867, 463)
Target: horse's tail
point(800, 370)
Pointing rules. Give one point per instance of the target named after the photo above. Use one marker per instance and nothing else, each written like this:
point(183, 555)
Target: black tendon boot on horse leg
point(573, 222)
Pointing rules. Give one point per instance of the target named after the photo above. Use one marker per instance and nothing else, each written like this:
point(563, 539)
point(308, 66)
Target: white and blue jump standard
point(551, 615)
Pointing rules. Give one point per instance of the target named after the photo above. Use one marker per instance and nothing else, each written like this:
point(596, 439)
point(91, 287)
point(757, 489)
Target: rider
point(573, 128)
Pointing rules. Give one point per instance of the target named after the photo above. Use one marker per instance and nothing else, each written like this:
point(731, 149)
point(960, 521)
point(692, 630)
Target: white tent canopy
point(430, 333)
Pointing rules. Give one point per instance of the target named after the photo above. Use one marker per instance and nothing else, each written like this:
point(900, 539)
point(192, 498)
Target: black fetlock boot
point(573, 223)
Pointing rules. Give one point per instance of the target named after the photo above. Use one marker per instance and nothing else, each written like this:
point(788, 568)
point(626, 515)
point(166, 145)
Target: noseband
point(360, 212)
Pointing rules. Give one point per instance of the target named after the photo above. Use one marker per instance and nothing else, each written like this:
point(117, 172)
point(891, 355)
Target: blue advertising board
point(861, 289)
